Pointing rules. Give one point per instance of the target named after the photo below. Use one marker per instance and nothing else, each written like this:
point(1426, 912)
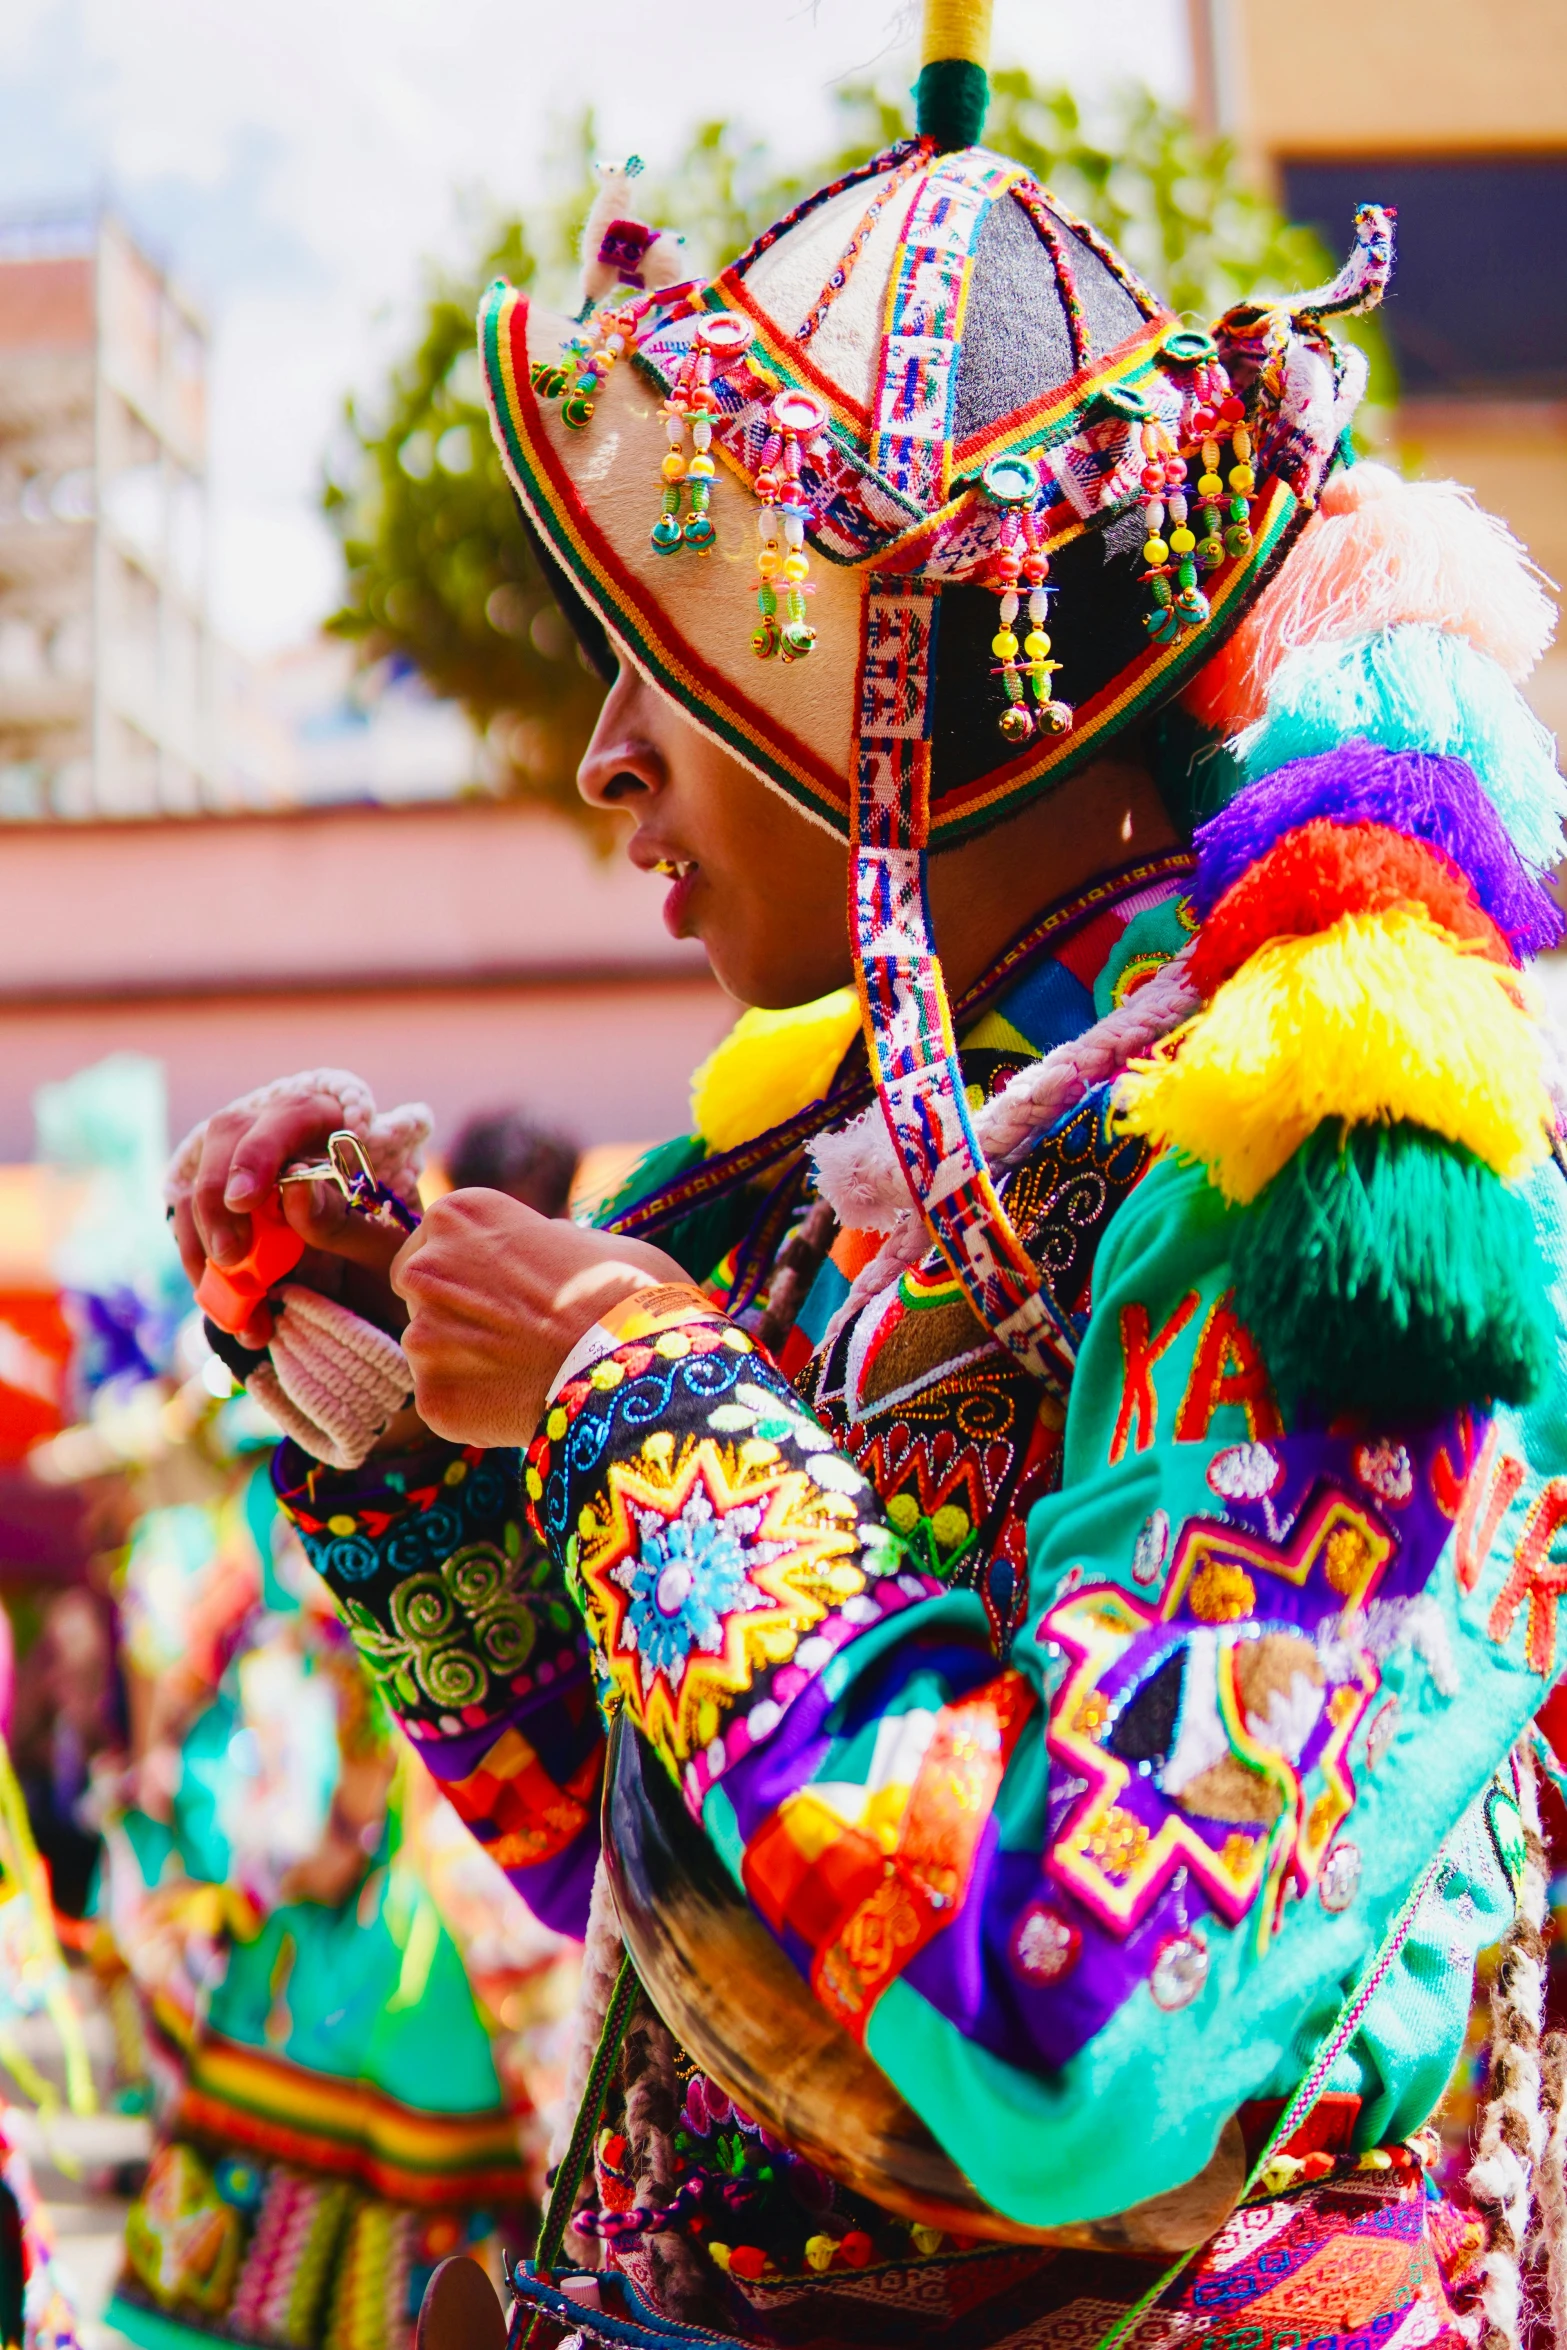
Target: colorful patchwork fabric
point(1358, 2258)
point(466, 1627)
point(1268, 1667)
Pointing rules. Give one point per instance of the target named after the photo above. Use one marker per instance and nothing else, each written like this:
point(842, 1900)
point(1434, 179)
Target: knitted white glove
point(394, 1143)
point(329, 1379)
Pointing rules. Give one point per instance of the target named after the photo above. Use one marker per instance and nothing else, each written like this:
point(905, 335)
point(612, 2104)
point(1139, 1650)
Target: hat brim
point(594, 495)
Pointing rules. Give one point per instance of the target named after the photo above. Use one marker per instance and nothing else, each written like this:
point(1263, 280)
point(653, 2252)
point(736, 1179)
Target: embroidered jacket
point(1078, 1755)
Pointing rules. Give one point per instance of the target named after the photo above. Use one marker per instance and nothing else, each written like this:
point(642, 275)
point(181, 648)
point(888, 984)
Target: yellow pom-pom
point(1380, 1017)
point(770, 1065)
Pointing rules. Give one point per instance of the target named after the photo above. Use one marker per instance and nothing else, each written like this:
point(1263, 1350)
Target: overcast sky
point(296, 160)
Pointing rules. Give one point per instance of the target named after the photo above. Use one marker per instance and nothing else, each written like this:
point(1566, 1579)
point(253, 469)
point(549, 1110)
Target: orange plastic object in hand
point(232, 1293)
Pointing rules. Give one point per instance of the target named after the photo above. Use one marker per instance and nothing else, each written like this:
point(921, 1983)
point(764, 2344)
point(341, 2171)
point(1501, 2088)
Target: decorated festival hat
point(925, 498)
point(926, 463)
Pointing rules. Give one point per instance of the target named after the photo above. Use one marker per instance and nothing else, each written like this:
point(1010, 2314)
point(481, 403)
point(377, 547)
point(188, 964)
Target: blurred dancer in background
point(504, 1150)
point(335, 2109)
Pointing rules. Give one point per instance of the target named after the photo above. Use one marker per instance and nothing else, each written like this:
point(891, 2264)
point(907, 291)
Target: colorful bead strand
point(1237, 539)
point(1209, 409)
point(692, 404)
point(786, 515)
point(586, 358)
point(1164, 505)
point(1210, 547)
point(1020, 564)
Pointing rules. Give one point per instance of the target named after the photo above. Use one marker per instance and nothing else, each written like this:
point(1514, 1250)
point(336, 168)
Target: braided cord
point(579, 2148)
point(1030, 200)
point(843, 269)
point(1513, 2131)
point(1551, 2183)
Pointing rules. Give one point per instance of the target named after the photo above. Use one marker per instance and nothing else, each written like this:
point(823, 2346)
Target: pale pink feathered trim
point(1380, 552)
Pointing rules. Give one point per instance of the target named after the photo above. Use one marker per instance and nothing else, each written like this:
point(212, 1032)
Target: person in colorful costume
point(1058, 1510)
point(36, 2305)
point(333, 2123)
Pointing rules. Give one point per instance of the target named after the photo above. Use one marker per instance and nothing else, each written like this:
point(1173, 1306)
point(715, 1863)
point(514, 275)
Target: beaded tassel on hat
point(1164, 507)
point(585, 360)
point(719, 339)
point(1213, 409)
point(1209, 407)
point(786, 514)
point(1216, 410)
point(1020, 564)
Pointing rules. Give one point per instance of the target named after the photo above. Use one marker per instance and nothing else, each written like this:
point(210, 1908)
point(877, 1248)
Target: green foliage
point(439, 572)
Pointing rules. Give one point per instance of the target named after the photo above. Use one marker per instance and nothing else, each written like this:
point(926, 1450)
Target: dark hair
point(503, 1150)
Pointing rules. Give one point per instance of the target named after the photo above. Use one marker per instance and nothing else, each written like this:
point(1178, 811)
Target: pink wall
point(467, 955)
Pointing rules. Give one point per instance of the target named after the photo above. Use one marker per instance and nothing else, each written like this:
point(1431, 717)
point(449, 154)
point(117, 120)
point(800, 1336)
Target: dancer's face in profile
point(762, 887)
point(766, 890)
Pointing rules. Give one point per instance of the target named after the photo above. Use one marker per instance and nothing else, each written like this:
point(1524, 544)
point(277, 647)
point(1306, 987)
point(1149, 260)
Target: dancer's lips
point(683, 872)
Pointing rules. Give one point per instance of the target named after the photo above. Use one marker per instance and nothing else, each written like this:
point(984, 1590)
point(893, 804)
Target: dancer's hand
point(243, 1152)
point(497, 1297)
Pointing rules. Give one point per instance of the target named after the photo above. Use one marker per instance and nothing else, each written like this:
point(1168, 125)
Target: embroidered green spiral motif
point(451, 1629)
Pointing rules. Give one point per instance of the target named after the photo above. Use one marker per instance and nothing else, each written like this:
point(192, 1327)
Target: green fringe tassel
point(1386, 1270)
point(951, 100)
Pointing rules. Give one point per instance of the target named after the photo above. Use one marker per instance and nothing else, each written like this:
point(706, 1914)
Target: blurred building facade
point(106, 661)
point(1455, 111)
point(461, 952)
point(469, 954)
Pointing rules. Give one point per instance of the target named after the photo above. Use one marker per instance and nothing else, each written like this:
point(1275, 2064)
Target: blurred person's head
point(504, 1150)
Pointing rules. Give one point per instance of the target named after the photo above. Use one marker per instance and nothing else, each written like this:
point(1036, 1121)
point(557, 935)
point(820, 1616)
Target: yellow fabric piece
point(770, 1065)
point(956, 28)
point(1383, 1016)
point(997, 1035)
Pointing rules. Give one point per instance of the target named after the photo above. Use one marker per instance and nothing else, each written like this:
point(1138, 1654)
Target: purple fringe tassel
point(1431, 798)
